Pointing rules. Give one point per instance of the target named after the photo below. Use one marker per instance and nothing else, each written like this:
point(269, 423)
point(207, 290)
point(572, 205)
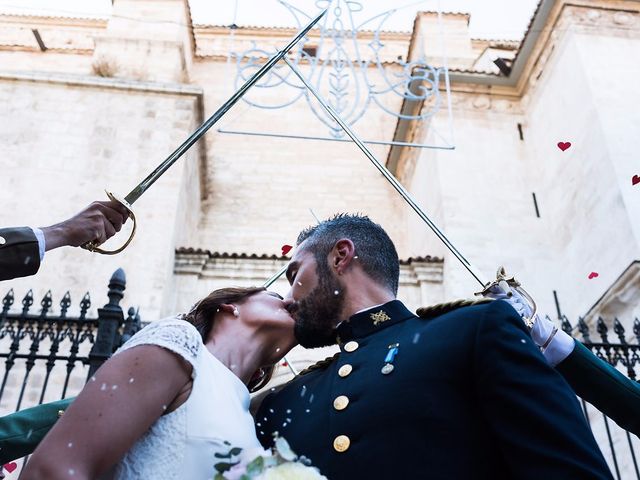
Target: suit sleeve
point(19, 253)
point(532, 412)
point(603, 386)
point(22, 431)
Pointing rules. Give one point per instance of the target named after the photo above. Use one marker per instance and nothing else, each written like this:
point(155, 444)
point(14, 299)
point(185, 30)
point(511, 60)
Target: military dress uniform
point(19, 253)
point(465, 395)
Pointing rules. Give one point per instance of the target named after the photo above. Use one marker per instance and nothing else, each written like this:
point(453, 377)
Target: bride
point(172, 396)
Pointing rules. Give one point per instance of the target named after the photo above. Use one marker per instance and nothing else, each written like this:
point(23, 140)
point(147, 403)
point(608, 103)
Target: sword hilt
point(94, 246)
point(506, 284)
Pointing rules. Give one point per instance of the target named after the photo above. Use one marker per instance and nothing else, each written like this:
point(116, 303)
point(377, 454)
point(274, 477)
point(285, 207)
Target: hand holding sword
point(137, 192)
point(96, 223)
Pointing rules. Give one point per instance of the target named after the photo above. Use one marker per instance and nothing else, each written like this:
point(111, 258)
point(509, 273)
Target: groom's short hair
point(376, 252)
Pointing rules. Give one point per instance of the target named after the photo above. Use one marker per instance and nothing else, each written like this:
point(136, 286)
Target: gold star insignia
point(379, 317)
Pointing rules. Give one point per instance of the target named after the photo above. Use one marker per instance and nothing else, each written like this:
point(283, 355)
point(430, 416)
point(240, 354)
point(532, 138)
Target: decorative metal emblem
point(379, 317)
point(350, 64)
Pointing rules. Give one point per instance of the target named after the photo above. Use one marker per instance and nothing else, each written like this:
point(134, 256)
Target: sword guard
point(506, 284)
point(93, 246)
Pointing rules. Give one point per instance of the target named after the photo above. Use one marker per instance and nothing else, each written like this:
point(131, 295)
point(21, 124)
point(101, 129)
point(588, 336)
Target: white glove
point(555, 343)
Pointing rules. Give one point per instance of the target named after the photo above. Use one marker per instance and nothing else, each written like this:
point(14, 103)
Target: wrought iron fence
point(43, 341)
point(619, 446)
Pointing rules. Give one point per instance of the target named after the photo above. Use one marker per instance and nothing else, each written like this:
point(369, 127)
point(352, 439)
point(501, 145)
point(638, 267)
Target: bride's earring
point(236, 313)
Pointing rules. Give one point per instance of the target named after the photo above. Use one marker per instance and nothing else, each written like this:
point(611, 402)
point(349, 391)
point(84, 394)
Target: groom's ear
point(342, 254)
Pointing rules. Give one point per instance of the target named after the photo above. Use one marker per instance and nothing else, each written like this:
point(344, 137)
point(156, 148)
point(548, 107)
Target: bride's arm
point(129, 393)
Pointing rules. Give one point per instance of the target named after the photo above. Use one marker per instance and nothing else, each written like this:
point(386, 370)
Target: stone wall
point(64, 140)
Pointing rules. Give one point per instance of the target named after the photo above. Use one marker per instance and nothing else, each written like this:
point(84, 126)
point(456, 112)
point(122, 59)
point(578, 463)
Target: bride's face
point(267, 311)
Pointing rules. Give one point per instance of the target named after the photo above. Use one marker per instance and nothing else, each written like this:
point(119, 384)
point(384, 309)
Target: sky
point(495, 19)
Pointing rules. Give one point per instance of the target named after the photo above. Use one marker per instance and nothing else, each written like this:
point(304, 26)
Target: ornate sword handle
point(93, 246)
point(506, 284)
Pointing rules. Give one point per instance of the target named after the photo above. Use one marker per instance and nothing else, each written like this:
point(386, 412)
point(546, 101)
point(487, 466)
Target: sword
point(143, 186)
point(501, 279)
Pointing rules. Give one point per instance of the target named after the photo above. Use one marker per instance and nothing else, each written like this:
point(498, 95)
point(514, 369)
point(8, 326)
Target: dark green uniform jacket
point(469, 396)
point(593, 379)
point(19, 253)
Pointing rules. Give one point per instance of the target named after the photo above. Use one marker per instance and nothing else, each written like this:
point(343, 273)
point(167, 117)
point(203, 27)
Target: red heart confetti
point(564, 145)
point(635, 180)
point(286, 249)
point(10, 467)
point(593, 275)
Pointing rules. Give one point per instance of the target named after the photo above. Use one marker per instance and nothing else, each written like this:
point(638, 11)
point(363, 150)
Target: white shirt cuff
point(560, 348)
point(41, 241)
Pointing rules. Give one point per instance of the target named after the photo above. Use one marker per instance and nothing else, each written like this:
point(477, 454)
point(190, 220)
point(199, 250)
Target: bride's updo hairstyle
point(202, 315)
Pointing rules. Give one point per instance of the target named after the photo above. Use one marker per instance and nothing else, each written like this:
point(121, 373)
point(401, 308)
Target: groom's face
point(318, 299)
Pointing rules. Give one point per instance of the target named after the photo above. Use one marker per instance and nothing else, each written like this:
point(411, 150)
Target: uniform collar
point(372, 320)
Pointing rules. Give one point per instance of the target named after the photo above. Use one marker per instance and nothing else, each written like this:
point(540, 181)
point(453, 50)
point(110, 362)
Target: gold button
point(341, 443)
point(345, 370)
point(351, 346)
point(341, 402)
point(2, 241)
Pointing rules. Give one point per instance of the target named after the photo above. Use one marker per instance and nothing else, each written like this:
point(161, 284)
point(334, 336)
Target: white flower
point(291, 471)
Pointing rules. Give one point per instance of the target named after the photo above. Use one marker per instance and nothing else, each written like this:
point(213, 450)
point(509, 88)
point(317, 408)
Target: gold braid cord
point(321, 364)
point(442, 308)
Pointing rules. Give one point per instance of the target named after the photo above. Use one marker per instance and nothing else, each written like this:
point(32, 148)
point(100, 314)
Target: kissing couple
point(462, 393)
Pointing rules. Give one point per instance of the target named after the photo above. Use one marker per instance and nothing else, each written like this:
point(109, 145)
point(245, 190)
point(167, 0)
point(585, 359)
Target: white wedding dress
point(182, 444)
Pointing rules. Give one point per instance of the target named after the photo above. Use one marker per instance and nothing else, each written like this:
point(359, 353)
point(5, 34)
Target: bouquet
point(279, 463)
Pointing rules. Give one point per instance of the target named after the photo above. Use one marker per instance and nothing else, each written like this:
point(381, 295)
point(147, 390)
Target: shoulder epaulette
point(318, 365)
point(442, 308)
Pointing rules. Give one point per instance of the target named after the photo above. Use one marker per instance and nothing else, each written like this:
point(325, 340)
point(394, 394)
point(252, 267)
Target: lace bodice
point(182, 444)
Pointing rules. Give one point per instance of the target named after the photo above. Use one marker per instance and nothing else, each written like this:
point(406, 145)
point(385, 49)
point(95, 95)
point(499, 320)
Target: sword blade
point(389, 176)
point(195, 136)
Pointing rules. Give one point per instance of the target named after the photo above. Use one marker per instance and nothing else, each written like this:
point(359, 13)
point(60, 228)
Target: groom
point(464, 395)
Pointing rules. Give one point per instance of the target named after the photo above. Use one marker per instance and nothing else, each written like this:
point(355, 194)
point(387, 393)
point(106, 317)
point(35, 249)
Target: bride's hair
point(202, 314)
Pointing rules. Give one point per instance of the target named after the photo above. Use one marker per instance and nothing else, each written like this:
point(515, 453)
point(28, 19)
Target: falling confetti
point(311, 398)
point(277, 349)
point(271, 410)
point(288, 410)
point(593, 275)
point(286, 249)
point(131, 380)
point(304, 391)
point(114, 387)
point(300, 283)
point(564, 145)
point(10, 467)
point(29, 433)
point(336, 292)
point(72, 471)
point(416, 337)
point(307, 410)
point(103, 387)
point(635, 180)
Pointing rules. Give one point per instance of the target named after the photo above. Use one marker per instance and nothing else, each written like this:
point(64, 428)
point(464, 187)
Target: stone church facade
point(93, 104)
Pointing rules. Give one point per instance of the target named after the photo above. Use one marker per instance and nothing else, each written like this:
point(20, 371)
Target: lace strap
point(176, 335)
